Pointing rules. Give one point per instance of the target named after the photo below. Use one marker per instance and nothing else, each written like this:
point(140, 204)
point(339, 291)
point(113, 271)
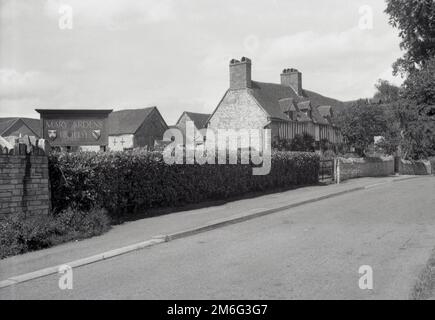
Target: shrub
point(432, 163)
point(300, 143)
point(133, 181)
point(20, 234)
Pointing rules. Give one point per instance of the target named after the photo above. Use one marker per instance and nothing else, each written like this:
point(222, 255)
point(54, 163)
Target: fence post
point(338, 171)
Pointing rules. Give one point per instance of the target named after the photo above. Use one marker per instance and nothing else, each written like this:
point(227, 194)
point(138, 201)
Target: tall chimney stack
point(240, 73)
point(292, 78)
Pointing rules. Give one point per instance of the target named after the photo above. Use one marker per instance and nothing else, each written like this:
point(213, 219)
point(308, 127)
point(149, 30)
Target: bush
point(300, 143)
point(133, 181)
point(432, 163)
point(20, 234)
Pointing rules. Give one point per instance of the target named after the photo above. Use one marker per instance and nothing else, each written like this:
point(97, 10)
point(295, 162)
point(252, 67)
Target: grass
point(20, 234)
point(425, 286)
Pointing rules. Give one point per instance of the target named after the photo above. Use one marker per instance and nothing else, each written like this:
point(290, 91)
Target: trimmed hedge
point(133, 181)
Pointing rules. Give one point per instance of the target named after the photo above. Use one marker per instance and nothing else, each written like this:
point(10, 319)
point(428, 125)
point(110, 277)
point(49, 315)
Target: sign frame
point(75, 127)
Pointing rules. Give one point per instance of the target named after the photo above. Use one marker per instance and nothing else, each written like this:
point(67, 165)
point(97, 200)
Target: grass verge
point(20, 234)
point(425, 285)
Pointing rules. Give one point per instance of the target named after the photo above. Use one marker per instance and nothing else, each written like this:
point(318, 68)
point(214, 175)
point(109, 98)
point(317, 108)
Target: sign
point(75, 127)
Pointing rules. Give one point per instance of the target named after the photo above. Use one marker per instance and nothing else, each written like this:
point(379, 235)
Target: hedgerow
point(133, 181)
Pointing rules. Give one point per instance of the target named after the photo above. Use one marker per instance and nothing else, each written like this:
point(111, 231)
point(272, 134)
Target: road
point(309, 252)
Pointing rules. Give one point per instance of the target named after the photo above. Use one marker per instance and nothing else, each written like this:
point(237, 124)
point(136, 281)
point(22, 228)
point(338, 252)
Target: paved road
point(309, 252)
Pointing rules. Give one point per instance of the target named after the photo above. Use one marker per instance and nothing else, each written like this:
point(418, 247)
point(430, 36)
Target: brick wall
point(24, 183)
point(370, 167)
point(240, 74)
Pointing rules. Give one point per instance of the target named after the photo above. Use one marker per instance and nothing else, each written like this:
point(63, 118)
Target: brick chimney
point(240, 73)
point(292, 78)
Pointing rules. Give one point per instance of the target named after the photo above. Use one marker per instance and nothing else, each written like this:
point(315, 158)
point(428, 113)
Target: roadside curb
point(78, 263)
point(182, 234)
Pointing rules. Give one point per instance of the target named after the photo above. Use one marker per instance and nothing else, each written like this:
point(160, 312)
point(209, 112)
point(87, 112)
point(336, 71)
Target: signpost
point(74, 128)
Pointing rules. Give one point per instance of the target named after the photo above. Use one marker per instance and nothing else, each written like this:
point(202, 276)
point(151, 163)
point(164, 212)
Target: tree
point(415, 21)
point(386, 92)
point(416, 113)
point(361, 122)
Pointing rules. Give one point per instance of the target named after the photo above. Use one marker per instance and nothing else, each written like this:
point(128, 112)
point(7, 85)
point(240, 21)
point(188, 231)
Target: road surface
point(309, 252)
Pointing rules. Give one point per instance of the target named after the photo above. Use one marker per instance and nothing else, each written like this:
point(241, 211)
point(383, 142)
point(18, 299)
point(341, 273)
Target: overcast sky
point(174, 54)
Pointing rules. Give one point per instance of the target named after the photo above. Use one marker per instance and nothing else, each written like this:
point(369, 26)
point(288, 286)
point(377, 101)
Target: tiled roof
point(268, 96)
point(6, 123)
point(128, 121)
point(287, 105)
point(200, 119)
point(304, 105)
point(277, 99)
point(33, 124)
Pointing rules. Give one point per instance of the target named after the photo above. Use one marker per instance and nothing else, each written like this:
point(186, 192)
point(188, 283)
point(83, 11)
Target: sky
point(174, 54)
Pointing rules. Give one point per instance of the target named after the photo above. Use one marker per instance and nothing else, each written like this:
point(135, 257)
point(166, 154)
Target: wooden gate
point(326, 172)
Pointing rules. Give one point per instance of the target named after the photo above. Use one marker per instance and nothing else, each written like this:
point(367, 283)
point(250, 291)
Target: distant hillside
point(319, 100)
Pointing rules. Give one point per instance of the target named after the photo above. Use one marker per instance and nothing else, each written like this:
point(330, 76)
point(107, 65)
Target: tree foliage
point(362, 121)
point(416, 113)
point(404, 116)
point(415, 20)
point(386, 92)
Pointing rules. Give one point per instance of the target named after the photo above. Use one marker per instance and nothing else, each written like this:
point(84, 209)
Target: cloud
point(29, 84)
point(347, 44)
point(74, 65)
point(113, 14)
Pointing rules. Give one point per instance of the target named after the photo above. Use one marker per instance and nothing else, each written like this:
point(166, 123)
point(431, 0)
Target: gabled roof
point(288, 105)
point(33, 124)
point(276, 99)
point(128, 121)
point(5, 123)
point(304, 105)
point(268, 96)
point(199, 119)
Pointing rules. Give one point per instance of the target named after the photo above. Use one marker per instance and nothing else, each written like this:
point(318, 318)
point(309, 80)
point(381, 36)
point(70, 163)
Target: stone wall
point(415, 167)
point(365, 167)
point(238, 110)
point(24, 181)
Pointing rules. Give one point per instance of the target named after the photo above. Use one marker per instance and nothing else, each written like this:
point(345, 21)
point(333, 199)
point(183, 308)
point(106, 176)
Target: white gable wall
point(238, 110)
point(121, 142)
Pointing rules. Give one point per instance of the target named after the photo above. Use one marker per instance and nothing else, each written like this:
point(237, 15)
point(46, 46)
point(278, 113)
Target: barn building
point(199, 121)
point(138, 128)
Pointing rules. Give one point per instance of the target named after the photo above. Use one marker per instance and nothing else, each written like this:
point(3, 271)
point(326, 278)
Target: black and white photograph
point(217, 157)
